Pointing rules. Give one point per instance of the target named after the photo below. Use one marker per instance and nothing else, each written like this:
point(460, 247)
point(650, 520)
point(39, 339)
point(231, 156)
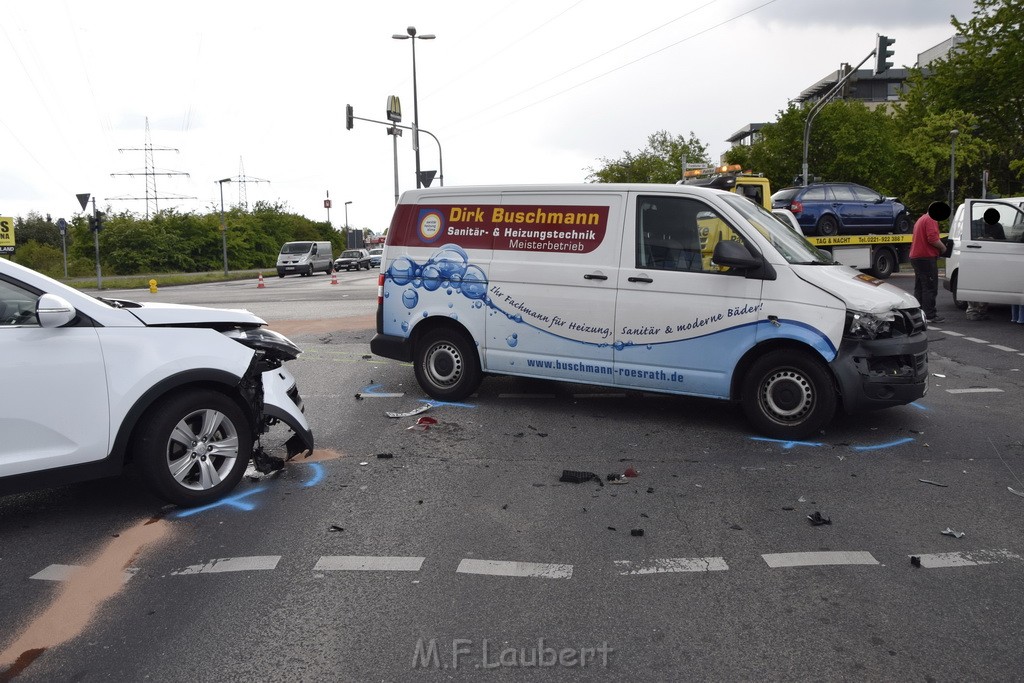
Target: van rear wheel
point(446, 364)
point(788, 395)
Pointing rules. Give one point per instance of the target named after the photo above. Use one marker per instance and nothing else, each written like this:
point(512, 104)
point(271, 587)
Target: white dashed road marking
point(672, 565)
point(977, 341)
point(814, 559)
point(1004, 348)
point(966, 559)
point(528, 569)
point(63, 572)
point(526, 395)
point(361, 563)
point(978, 390)
point(233, 564)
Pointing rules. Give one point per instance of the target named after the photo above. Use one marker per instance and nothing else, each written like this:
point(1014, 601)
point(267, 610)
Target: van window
point(296, 248)
point(679, 233)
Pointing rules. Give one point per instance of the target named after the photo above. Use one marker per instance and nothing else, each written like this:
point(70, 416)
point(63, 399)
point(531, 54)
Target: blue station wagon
point(830, 208)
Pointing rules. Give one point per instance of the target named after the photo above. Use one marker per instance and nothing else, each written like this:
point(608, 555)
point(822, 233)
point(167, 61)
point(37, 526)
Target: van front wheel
point(446, 364)
point(788, 395)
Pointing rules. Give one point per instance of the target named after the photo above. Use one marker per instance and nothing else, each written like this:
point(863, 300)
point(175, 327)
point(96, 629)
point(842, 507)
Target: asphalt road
point(462, 557)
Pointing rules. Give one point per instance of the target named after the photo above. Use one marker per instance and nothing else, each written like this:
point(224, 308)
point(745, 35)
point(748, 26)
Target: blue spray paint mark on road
point(787, 444)
point(919, 406)
point(318, 474)
point(232, 501)
point(898, 442)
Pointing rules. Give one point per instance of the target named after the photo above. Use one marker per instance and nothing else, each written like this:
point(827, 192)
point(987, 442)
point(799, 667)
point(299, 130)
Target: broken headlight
point(272, 344)
point(863, 325)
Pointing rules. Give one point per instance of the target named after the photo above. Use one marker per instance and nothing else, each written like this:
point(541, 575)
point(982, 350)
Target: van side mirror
point(734, 255)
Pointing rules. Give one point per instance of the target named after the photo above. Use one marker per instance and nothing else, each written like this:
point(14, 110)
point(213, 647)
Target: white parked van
point(305, 258)
point(987, 261)
point(668, 288)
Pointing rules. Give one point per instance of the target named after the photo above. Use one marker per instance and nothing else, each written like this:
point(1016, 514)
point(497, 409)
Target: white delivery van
point(665, 288)
point(305, 258)
point(987, 260)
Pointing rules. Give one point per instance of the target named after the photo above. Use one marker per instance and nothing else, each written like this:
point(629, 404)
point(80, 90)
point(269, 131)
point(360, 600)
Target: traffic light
point(882, 54)
point(349, 116)
point(96, 221)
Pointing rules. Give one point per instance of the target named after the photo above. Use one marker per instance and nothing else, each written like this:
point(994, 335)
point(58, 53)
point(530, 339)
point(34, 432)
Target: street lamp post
point(348, 235)
point(952, 166)
point(223, 225)
point(411, 31)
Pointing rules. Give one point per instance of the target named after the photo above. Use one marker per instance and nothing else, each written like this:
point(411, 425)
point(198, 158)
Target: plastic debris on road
point(915, 560)
point(1014, 491)
point(578, 477)
point(636, 532)
point(335, 527)
point(954, 534)
point(630, 472)
point(616, 479)
point(422, 424)
point(817, 519)
point(415, 411)
point(933, 483)
point(385, 456)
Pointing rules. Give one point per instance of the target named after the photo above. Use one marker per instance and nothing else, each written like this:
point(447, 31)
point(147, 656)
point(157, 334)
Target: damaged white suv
point(182, 392)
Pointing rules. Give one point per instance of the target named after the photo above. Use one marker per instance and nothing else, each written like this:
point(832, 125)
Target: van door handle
point(973, 246)
point(591, 276)
point(640, 279)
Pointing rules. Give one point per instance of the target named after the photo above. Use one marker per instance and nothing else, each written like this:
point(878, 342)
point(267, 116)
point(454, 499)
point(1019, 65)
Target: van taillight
point(796, 207)
point(380, 289)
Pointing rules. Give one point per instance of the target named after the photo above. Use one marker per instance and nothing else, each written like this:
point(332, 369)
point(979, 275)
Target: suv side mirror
point(54, 311)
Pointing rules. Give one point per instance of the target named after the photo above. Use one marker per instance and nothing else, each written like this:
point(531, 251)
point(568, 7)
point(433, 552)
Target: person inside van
point(990, 229)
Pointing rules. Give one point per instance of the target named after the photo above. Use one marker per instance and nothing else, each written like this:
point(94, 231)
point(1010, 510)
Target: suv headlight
point(272, 343)
point(864, 325)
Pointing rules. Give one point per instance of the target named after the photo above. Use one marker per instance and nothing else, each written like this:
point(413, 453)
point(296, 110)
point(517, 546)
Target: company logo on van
point(566, 229)
point(431, 224)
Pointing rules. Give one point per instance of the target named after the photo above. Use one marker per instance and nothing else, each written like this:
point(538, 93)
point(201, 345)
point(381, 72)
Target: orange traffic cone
point(259, 283)
point(334, 278)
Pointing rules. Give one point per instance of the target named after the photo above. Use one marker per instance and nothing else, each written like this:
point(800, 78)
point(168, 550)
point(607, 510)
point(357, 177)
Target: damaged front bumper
point(281, 402)
point(881, 373)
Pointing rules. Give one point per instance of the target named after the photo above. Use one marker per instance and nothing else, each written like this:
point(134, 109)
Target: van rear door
point(681, 322)
point(992, 253)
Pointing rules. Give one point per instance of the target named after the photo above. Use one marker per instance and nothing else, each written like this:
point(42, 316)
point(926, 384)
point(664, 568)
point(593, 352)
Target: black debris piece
point(264, 462)
point(541, 433)
point(933, 483)
point(636, 532)
point(505, 506)
point(359, 397)
point(367, 357)
point(335, 527)
point(611, 528)
point(915, 560)
point(420, 502)
point(645, 515)
point(788, 508)
point(578, 477)
point(384, 456)
point(650, 489)
point(817, 519)
point(736, 527)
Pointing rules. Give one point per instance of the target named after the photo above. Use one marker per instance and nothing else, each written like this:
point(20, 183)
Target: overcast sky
point(516, 91)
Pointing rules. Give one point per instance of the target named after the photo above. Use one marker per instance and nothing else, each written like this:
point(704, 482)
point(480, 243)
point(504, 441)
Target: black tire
point(903, 225)
point(330, 270)
point(962, 305)
point(828, 226)
point(281, 275)
point(883, 263)
point(788, 395)
point(202, 471)
point(446, 364)
point(309, 270)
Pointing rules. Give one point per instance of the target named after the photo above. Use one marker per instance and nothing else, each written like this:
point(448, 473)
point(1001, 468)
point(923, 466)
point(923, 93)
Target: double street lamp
point(411, 35)
point(223, 225)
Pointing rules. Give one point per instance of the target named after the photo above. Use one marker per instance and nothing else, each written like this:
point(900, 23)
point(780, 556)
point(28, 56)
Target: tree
point(660, 162)
point(982, 78)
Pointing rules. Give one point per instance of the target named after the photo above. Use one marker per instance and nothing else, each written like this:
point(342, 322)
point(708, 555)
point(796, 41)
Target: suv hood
point(160, 314)
point(859, 291)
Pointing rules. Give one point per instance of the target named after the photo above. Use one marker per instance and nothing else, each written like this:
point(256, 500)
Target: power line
point(150, 173)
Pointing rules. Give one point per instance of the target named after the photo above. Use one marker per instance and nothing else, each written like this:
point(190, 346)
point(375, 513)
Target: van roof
point(414, 196)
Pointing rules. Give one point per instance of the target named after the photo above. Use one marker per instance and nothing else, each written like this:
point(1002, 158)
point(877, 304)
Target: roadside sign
point(62, 225)
point(83, 199)
point(6, 235)
point(394, 110)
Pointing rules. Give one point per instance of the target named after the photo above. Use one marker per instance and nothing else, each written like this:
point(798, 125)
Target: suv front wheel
point(193, 447)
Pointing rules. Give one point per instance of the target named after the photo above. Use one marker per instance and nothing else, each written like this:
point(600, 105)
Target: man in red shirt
point(925, 249)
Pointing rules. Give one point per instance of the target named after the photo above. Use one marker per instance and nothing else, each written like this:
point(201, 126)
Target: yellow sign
point(6, 235)
point(860, 240)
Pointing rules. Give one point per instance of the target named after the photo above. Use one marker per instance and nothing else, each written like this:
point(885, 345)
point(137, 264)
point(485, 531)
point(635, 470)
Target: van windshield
point(296, 248)
point(793, 247)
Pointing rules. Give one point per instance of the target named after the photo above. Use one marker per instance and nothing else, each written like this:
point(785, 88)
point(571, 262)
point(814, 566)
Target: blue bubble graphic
point(512, 341)
point(405, 326)
point(474, 283)
point(431, 277)
point(401, 270)
point(410, 298)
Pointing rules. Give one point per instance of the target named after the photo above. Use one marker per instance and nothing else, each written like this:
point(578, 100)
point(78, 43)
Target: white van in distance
point(666, 288)
point(305, 258)
point(988, 255)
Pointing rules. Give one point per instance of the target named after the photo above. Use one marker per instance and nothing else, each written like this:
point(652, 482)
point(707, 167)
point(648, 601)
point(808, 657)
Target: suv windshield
point(793, 247)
